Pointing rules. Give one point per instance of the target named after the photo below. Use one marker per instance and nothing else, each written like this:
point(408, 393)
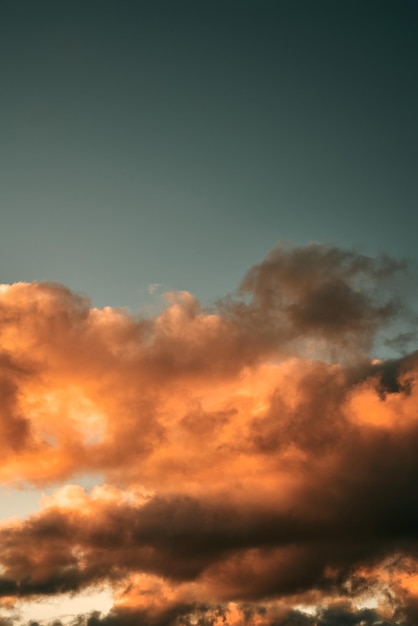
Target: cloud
point(257, 459)
point(153, 288)
point(319, 292)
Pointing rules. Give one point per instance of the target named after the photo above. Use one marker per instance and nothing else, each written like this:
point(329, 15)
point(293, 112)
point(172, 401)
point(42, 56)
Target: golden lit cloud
point(257, 459)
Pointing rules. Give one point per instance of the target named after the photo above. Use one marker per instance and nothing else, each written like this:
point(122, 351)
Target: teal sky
point(176, 142)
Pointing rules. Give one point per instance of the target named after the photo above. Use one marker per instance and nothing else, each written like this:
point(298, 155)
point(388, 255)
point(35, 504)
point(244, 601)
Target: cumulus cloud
point(319, 292)
point(260, 464)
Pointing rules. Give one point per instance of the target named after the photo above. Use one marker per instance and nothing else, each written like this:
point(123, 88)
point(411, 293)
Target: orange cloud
point(255, 457)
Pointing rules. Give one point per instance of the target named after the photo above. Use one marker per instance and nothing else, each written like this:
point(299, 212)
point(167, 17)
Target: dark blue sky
point(176, 142)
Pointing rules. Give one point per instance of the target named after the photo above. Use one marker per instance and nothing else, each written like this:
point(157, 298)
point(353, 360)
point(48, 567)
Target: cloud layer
point(260, 465)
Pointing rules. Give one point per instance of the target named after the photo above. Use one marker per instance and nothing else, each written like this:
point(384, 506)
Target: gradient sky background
point(176, 142)
point(154, 146)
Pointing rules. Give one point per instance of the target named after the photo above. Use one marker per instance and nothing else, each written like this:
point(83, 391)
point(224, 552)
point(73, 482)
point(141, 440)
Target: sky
point(208, 313)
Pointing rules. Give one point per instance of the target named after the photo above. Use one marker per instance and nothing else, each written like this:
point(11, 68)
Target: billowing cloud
point(260, 464)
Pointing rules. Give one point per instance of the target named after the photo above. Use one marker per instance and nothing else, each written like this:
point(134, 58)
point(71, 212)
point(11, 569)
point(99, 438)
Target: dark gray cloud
point(316, 291)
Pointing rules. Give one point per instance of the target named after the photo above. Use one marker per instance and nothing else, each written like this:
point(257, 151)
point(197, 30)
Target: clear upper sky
point(176, 142)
